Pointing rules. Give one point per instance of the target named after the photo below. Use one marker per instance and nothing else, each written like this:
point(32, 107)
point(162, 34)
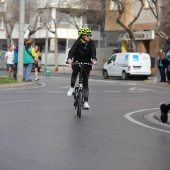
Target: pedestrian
point(168, 67)
point(15, 61)
point(161, 69)
point(83, 50)
point(9, 60)
point(29, 56)
point(37, 50)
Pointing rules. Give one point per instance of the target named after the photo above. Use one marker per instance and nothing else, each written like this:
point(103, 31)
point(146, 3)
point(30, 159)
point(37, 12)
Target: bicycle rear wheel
point(79, 104)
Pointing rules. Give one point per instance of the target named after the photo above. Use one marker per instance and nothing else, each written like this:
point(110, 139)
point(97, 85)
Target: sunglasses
point(88, 35)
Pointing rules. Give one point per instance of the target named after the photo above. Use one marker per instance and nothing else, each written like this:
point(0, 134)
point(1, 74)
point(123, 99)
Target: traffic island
point(154, 117)
point(15, 85)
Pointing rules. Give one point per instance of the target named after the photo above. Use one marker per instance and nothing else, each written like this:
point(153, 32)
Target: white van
point(127, 64)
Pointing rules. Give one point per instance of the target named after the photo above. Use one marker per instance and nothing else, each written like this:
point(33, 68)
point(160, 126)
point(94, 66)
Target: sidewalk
point(150, 81)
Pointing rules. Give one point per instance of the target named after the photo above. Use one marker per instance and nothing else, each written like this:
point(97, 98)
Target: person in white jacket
point(9, 60)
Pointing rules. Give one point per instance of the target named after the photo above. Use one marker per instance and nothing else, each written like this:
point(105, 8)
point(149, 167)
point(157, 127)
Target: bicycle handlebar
point(80, 63)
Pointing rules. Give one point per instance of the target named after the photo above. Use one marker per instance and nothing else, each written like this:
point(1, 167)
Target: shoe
point(86, 106)
point(70, 91)
point(28, 80)
point(36, 78)
point(164, 114)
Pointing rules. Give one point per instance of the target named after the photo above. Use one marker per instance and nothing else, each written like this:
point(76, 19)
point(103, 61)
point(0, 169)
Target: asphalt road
point(39, 129)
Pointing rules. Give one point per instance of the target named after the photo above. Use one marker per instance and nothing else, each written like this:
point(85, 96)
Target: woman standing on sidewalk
point(162, 71)
point(168, 67)
point(28, 60)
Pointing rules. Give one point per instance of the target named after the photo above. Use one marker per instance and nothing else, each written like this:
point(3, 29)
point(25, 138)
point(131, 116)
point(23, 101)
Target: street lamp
point(46, 43)
point(21, 41)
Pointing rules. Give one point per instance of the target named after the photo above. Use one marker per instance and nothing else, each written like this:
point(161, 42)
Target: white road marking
point(56, 91)
point(65, 87)
point(128, 116)
point(27, 91)
point(17, 101)
point(110, 91)
point(137, 91)
point(140, 89)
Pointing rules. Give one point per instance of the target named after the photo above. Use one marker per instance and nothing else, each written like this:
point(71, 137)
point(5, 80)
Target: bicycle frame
point(78, 94)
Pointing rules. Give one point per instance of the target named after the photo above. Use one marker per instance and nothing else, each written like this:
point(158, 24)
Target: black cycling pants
point(85, 75)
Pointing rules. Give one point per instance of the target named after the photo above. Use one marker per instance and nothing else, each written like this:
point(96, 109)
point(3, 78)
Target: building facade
point(144, 27)
point(66, 30)
point(74, 16)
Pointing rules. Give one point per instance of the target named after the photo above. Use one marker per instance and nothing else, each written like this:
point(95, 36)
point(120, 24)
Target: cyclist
point(83, 50)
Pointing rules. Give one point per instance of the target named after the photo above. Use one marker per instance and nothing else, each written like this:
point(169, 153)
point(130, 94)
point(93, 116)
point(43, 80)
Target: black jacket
point(84, 52)
point(166, 46)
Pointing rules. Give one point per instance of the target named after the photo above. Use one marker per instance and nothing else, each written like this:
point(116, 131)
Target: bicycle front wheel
point(79, 104)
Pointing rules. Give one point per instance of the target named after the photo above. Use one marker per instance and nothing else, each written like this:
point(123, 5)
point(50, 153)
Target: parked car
point(126, 65)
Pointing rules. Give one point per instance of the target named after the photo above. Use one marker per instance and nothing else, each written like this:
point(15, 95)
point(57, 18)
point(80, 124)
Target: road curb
point(157, 116)
point(15, 85)
point(149, 82)
point(154, 117)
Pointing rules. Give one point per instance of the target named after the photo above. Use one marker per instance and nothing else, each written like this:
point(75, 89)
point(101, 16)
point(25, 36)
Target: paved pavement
point(154, 117)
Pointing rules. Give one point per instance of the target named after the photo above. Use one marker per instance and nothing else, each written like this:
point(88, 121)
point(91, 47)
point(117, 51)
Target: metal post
point(46, 39)
point(46, 47)
point(21, 41)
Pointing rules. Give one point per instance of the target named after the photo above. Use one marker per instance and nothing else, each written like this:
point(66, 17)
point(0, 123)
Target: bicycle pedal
point(85, 108)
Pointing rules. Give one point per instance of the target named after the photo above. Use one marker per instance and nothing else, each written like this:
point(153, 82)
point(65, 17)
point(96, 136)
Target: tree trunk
point(56, 51)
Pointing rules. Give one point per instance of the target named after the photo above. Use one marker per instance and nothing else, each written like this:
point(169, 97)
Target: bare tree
point(11, 16)
point(35, 17)
point(157, 13)
point(55, 15)
point(90, 12)
point(128, 28)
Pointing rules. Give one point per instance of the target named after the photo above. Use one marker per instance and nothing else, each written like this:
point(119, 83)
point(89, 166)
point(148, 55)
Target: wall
point(102, 56)
point(111, 16)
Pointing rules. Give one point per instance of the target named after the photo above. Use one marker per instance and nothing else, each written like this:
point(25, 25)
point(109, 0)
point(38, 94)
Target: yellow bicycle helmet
point(84, 31)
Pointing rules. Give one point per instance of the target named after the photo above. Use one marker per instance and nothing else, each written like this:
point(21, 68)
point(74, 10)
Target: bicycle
point(78, 92)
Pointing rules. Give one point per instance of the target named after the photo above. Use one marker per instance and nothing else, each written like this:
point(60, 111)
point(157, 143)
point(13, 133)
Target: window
point(113, 6)
point(1, 23)
point(112, 59)
point(61, 45)
point(2, 0)
point(148, 3)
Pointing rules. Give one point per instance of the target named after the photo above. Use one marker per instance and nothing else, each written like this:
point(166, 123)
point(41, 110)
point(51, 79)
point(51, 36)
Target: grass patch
point(5, 80)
